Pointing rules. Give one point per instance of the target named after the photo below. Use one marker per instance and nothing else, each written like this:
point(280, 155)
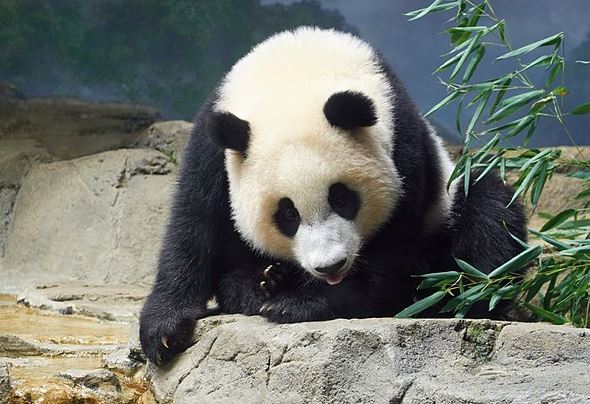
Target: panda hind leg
point(481, 231)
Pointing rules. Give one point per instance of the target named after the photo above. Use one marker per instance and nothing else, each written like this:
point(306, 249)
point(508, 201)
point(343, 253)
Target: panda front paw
point(274, 280)
point(296, 308)
point(162, 338)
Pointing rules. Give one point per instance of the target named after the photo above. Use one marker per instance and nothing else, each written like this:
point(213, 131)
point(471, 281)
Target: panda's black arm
point(188, 259)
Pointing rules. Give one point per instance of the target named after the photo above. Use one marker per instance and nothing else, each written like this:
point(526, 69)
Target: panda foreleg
point(246, 288)
point(189, 261)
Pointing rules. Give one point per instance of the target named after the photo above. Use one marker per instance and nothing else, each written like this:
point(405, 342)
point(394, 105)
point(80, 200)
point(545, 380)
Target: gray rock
point(5, 385)
point(16, 159)
point(70, 128)
point(168, 137)
point(105, 302)
point(97, 219)
point(95, 379)
point(241, 359)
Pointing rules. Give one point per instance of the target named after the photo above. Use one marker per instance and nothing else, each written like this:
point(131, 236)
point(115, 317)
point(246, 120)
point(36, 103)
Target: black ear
point(350, 110)
point(229, 131)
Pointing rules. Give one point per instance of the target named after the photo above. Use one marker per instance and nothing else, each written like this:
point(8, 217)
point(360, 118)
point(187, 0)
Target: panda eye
point(287, 217)
point(290, 214)
point(343, 200)
point(339, 200)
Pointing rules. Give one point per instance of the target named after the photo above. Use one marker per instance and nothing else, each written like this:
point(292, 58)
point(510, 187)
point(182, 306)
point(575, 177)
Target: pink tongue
point(334, 279)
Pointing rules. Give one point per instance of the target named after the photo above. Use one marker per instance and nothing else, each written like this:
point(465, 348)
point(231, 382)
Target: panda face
point(306, 121)
point(313, 201)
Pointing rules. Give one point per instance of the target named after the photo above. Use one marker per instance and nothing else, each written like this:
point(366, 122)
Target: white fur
point(325, 243)
point(280, 88)
point(441, 211)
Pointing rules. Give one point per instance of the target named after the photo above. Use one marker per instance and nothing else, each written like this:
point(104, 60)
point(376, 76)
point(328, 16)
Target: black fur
point(203, 256)
point(286, 217)
point(228, 131)
point(350, 110)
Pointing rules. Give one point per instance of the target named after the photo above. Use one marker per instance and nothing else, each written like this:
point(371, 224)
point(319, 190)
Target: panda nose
point(331, 269)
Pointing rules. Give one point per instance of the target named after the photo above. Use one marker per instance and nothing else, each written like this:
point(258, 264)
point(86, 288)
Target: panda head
point(310, 175)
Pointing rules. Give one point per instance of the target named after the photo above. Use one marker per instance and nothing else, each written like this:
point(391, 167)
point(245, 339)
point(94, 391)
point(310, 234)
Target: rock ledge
point(246, 359)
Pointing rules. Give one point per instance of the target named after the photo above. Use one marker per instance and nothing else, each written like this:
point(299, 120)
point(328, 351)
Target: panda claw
point(266, 271)
point(165, 342)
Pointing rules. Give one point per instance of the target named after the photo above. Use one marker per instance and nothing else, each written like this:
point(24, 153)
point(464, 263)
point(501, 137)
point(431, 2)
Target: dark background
point(170, 53)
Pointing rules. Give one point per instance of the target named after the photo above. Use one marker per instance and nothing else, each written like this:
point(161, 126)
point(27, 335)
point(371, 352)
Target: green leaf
point(558, 244)
point(546, 315)
point(560, 91)
point(525, 183)
point(554, 72)
point(558, 219)
point(421, 305)
point(513, 104)
point(540, 61)
point(433, 279)
point(434, 6)
point(490, 167)
point(535, 287)
point(471, 270)
point(539, 183)
point(552, 40)
point(467, 176)
point(441, 275)
point(503, 82)
point(581, 109)
point(576, 250)
point(521, 124)
point(585, 193)
point(479, 52)
point(448, 62)
point(444, 102)
point(517, 262)
point(532, 127)
point(582, 175)
point(494, 301)
point(470, 48)
point(478, 111)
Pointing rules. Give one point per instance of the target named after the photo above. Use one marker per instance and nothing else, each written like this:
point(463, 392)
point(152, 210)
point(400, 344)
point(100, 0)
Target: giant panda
point(311, 189)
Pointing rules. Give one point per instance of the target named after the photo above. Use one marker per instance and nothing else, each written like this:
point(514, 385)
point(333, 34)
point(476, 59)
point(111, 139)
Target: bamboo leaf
point(503, 83)
point(539, 183)
point(546, 315)
point(540, 61)
point(558, 219)
point(432, 9)
point(444, 102)
point(517, 262)
point(465, 54)
point(478, 111)
point(581, 109)
point(467, 176)
point(448, 62)
point(489, 168)
point(479, 52)
point(525, 183)
point(554, 72)
point(513, 104)
point(552, 40)
point(434, 6)
point(421, 305)
point(521, 124)
point(558, 244)
point(471, 270)
point(576, 250)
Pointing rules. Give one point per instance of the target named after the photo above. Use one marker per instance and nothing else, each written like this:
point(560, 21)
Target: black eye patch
point(344, 201)
point(287, 217)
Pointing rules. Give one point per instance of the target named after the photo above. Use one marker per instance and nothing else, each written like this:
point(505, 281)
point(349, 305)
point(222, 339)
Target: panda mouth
point(334, 279)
